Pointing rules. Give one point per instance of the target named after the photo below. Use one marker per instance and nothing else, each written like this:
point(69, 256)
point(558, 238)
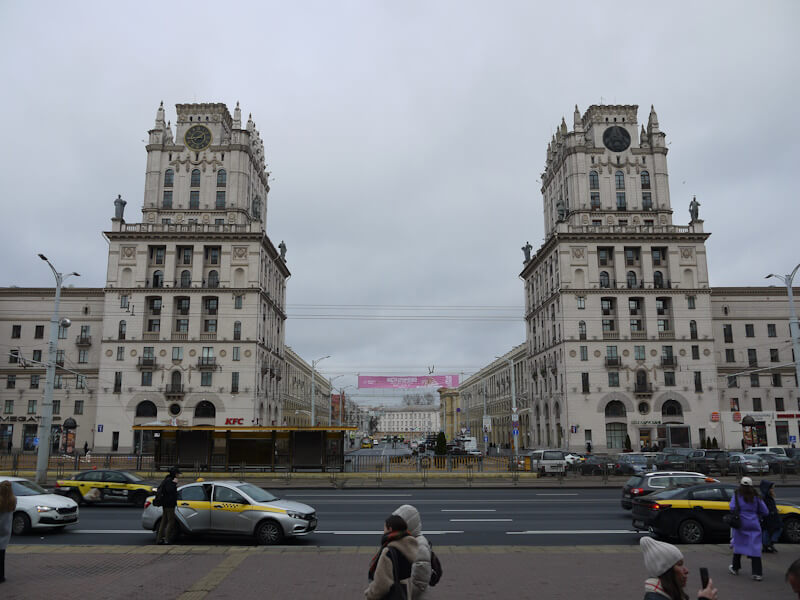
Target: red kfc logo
point(234, 421)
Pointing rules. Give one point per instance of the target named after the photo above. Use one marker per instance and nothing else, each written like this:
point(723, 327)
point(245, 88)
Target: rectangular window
point(647, 201)
point(663, 325)
point(80, 382)
point(60, 358)
point(782, 432)
point(58, 382)
point(149, 352)
point(38, 332)
point(754, 380)
point(56, 407)
point(771, 331)
point(621, 201)
point(730, 355)
point(220, 199)
point(581, 302)
point(613, 379)
point(31, 407)
point(690, 302)
point(638, 352)
point(237, 301)
point(774, 356)
point(205, 378)
point(83, 356)
point(698, 381)
point(735, 404)
point(185, 253)
point(219, 221)
point(118, 382)
point(594, 199)
point(212, 255)
point(16, 331)
point(167, 198)
point(585, 383)
point(234, 382)
point(120, 352)
point(584, 353)
point(752, 357)
point(8, 408)
point(776, 380)
point(757, 404)
point(779, 407)
point(182, 326)
point(78, 409)
point(194, 199)
point(37, 356)
point(732, 381)
point(35, 382)
point(695, 352)
point(11, 382)
point(235, 353)
point(749, 330)
point(727, 332)
point(669, 378)
point(147, 378)
point(611, 351)
point(115, 441)
point(177, 353)
point(153, 325)
point(13, 356)
point(62, 332)
point(123, 301)
point(210, 326)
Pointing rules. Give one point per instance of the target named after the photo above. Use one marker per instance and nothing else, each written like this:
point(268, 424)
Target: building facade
point(409, 420)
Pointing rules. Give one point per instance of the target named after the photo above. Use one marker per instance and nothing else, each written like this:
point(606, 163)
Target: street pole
point(313, 404)
point(794, 326)
point(43, 454)
point(485, 433)
point(514, 415)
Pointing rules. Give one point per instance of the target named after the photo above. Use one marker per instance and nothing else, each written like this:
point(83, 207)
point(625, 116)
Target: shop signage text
point(714, 417)
point(234, 421)
point(30, 419)
point(651, 422)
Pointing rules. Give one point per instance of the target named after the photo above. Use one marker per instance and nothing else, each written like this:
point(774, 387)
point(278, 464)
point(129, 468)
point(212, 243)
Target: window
point(237, 330)
point(647, 201)
point(594, 199)
point(609, 325)
point(169, 178)
point(167, 202)
point(671, 408)
point(16, 331)
point(195, 181)
point(631, 279)
point(56, 407)
point(584, 353)
point(194, 199)
point(153, 325)
point(757, 404)
point(774, 356)
point(120, 352)
point(733, 381)
point(158, 279)
point(749, 330)
point(698, 381)
point(776, 380)
point(690, 302)
point(664, 325)
point(771, 331)
point(80, 382)
point(234, 382)
point(619, 179)
point(115, 441)
point(31, 407)
point(727, 332)
point(182, 326)
point(59, 382)
point(118, 382)
point(121, 330)
point(39, 332)
point(177, 353)
point(219, 221)
point(613, 379)
point(621, 205)
point(186, 279)
point(615, 435)
point(669, 378)
point(183, 306)
point(62, 333)
point(658, 256)
point(752, 357)
point(60, 358)
point(13, 356)
point(695, 352)
point(693, 330)
point(222, 178)
point(585, 383)
point(658, 279)
point(35, 382)
point(147, 378)
point(237, 301)
point(734, 404)
point(594, 180)
point(37, 356)
point(210, 326)
point(235, 353)
point(205, 378)
point(8, 408)
point(638, 352)
point(83, 356)
point(782, 432)
point(754, 380)
point(123, 301)
point(604, 280)
point(645, 177)
point(779, 407)
point(78, 408)
point(582, 330)
point(11, 382)
point(213, 279)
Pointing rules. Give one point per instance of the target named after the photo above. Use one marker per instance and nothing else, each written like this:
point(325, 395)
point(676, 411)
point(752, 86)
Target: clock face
point(197, 137)
point(616, 138)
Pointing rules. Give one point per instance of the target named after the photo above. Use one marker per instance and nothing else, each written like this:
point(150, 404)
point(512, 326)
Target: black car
point(694, 514)
point(596, 464)
point(658, 481)
point(777, 463)
point(709, 461)
point(671, 462)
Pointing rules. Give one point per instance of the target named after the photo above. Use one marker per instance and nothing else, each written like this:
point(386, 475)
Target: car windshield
point(637, 459)
point(634, 481)
point(256, 493)
point(26, 488)
point(132, 476)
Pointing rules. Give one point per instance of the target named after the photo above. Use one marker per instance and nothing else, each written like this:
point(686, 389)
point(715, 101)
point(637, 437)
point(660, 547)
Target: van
point(774, 449)
point(548, 461)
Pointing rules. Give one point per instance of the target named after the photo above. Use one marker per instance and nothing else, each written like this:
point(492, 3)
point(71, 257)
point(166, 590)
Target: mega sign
point(234, 421)
point(401, 383)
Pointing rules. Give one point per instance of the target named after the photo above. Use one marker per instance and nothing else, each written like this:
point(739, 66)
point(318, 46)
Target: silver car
point(234, 508)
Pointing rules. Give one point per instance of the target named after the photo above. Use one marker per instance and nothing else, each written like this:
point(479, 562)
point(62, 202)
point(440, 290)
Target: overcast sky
point(405, 140)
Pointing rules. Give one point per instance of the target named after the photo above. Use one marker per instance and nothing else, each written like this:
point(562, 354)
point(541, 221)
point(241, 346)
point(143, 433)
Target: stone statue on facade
point(119, 207)
point(282, 248)
point(694, 209)
point(527, 250)
point(562, 211)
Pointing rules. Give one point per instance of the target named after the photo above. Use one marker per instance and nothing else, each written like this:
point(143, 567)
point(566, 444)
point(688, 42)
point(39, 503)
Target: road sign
point(792, 439)
point(514, 418)
point(486, 439)
point(487, 424)
point(99, 429)
point(516, 432)
point(36, 441)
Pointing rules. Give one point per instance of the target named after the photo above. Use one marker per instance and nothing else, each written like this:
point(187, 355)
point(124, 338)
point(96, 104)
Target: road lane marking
point(574, 531)
point(139, 531)
point(348, 495)
point(556, 494)
point(469, 510)
point(376, 532)
point(479, 520)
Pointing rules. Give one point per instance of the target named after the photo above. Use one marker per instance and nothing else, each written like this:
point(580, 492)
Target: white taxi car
point(39, 509)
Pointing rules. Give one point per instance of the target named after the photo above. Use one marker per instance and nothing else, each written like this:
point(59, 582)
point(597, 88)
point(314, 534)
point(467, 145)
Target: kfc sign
point(234, 421)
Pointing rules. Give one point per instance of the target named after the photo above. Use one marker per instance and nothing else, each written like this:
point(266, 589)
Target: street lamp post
point(794, 326)
point(514, 414)
point(330, 399)
point(341, 404)
point(313, 404)
point(47, 406)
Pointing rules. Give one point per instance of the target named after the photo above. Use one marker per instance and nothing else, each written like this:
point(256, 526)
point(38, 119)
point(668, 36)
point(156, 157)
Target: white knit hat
point(659, 557)
point(411, 517)
point(746, 481)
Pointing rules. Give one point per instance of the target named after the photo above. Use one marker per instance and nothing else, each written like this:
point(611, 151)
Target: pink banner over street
point(397, 383)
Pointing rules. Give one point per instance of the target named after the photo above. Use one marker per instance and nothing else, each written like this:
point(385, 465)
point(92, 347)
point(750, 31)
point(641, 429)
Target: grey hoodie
point(421, 567)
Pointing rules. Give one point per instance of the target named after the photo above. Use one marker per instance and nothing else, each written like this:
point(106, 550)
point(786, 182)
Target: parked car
point(657, 481)
point(234, 508)
point(573, 458)
point(548, 462)
point(742, 464)
point(102, 486)
point(774, 449)
point(671, 462)
point(596, 464)
point(633, 463)
point(694, 514)
point(39, 509)
point(778, 463)
point(708, 461)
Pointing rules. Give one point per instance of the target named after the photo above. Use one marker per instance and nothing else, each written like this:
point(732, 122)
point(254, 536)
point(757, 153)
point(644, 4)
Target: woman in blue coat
point(746, 540)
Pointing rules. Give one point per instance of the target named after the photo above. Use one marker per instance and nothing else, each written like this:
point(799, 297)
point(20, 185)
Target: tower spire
point(160, 124)
point(237, 117)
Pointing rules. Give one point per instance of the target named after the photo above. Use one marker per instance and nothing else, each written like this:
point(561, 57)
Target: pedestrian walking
point(85, 448)
point(381, 569)
point(8, 502)
point(167, 493)
point(771, 525)
point(746, 539)
point(421, 566)
point(793, 576)
point(667, 573)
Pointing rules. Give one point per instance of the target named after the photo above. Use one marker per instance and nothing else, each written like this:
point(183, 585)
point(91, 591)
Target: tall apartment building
point(409, 420)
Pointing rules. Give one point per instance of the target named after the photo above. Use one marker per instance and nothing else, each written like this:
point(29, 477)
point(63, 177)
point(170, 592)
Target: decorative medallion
point(578, 252)
point(128, 253)
point(572, 353)
point(193, 352)
point(109, 352)
point(222, 353)
point(597, 353)
point(133, 352)
point(162, 353)
point(682, 352)
point(239, 253)
point(625, 353)
point(247, 353)
point(585, 219)
point(616, 138)
point(653, 352)
point(609, 220)
point(706, 352)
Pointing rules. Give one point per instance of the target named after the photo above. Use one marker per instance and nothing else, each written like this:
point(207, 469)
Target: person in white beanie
point(746, 539)
point(667, 573)
point(421, 567)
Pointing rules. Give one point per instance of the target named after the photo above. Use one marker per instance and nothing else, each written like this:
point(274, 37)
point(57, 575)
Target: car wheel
point(76, 497)
point(690, 532)
point(139, 499)
point(269, 533)
point(791, 530)
point(20, 523)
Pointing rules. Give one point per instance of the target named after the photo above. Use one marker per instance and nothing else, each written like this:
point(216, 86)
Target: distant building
point(409, 420)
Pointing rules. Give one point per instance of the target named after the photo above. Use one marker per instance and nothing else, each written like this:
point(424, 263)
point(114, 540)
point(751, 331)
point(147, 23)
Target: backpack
point(436, 569)
point(159, 499)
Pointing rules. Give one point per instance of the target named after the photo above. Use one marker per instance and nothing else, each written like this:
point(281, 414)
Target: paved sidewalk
point(289, 572)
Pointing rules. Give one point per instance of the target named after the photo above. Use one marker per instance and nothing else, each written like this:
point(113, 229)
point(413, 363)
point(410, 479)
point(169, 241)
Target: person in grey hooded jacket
point(8, 502)
point(419, 584)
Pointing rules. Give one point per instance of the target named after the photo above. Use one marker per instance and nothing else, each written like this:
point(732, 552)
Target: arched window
point(594, 180)
point(615, 408)
point(186, 278)
point(237, 330)
point(631, 279)
point(213, 279)
point(645, 180)
point(175, 378)
point(693, 329)
point(671, 408)
point(615, 435)
point(604, 280)
point(169, 178)
point(658, 279)
point(582, 329)
point(222, 178)
point(195, 182)
point(641, 380)
point(158, 279)
point(257, 206)
point(123, 327)
point(146, 409)
point(205, 410)
point(619, 178)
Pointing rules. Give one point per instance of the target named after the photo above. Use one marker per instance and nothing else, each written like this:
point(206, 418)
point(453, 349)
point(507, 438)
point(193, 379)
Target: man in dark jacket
point(168, 492)
point(771, 526)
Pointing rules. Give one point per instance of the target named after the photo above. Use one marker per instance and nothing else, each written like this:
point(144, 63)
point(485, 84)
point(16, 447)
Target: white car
point(38, 509)
point(573, 459)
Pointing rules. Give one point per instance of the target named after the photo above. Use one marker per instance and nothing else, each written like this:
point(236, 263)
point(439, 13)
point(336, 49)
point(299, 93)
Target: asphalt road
point(542, 517)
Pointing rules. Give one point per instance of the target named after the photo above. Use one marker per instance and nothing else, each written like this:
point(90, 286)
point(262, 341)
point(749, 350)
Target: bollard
point(783, 473)
point(470, 476)
point(605, 473)
point(378, 473)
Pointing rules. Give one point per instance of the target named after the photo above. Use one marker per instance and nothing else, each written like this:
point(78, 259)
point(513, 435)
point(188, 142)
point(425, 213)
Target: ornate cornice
point(65, 292)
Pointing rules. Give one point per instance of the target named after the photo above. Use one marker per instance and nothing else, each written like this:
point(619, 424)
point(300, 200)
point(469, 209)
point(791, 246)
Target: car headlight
point(295, 515)
point(154, 490)
point(44, 508)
